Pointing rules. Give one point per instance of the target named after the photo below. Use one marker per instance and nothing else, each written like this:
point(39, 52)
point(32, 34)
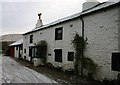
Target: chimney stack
point(89, 4)
point(114, 0)
point(39, 22)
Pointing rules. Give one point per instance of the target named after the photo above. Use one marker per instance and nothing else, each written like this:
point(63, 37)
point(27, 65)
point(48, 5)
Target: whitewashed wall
point(64, 44)
point(16, 53)
point(26, 46)
point(101, 29)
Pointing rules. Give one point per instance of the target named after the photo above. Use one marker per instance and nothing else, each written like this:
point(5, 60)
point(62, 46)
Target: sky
point(20, 16)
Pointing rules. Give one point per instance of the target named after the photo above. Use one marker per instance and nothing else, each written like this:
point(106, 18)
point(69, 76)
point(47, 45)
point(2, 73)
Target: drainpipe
point(82, 26)
point(82, 45)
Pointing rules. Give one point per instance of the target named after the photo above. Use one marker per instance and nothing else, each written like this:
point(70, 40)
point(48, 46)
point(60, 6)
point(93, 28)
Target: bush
point(69, 72)
point(57, 68)
point(49, 65)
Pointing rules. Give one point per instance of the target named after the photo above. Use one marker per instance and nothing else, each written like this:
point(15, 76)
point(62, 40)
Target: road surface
point(13, 72)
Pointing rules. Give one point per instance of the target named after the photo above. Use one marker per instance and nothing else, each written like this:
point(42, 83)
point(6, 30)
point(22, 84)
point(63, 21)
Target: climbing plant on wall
point(80, 44)
point(42, 50)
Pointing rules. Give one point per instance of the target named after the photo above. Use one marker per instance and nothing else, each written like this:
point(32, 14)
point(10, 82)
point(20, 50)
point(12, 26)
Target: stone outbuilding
point(16, 49)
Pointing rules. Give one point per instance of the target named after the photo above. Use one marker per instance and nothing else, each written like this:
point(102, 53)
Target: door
point(19, 52)
point(12, 51)
point(58, 55)
point(30, 54)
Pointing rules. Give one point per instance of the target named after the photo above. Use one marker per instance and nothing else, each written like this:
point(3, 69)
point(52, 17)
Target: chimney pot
point(39, 22)
point(39, 15)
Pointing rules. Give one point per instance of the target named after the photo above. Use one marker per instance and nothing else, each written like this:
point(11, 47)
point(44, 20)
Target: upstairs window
point(31, 38)
point(70, 56)
point(58, 33)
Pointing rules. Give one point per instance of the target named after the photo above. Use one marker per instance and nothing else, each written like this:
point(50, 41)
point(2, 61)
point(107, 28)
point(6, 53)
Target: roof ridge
point(94, 8)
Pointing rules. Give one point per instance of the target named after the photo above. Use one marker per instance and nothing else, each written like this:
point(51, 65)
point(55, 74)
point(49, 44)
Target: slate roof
point(95, 8)
point(19, 42)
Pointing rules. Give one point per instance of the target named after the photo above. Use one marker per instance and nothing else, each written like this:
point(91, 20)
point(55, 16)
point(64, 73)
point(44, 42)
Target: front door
point(58, 55)
point(12, 51)
point(30, 54)
point(19, 54)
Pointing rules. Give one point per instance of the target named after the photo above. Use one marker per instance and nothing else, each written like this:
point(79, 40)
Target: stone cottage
point(98, 22)
point(16, 49)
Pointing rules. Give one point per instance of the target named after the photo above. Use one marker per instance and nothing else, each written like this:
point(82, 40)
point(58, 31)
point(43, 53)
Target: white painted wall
point(101, 29)
point(49, 35)
point(16, 53)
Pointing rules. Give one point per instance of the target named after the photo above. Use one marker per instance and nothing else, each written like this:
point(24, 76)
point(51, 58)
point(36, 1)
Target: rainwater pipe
point(81, 71)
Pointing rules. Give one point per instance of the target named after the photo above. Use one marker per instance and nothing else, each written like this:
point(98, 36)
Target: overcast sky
point(20, 16)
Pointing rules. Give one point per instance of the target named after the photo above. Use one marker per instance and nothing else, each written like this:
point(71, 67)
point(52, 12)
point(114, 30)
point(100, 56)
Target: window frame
point(30, 52)
point(68, 56)
point(59, 36)
point(115, 64)
point(31, 38)
point(58, 57)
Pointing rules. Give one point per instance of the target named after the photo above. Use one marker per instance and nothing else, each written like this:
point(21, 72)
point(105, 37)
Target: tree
point(80, 44)
point(42, 50)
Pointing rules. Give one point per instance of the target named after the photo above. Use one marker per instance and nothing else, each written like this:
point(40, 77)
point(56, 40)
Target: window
point(58, 55)
point(24, 50)
point(116, 61)
point(31, 38)
point(30, 52)
point(17, 48)
point(70, 56)
point(21, 47)
point(58, 33)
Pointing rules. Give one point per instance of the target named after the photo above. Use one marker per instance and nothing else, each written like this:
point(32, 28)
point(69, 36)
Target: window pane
point(70, 56)
point(58, 33)
point(58, 55)
point(31, 38)
point(116, 61)
point(30, 52)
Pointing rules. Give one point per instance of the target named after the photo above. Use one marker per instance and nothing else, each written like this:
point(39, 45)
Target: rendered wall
point(101, 29)
point(64, 44)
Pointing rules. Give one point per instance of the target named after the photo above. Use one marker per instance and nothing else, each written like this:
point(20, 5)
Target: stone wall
point(101, 29)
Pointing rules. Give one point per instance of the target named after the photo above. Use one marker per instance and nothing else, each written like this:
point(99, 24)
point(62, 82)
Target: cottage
point(16, 49)
point(98, 22)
